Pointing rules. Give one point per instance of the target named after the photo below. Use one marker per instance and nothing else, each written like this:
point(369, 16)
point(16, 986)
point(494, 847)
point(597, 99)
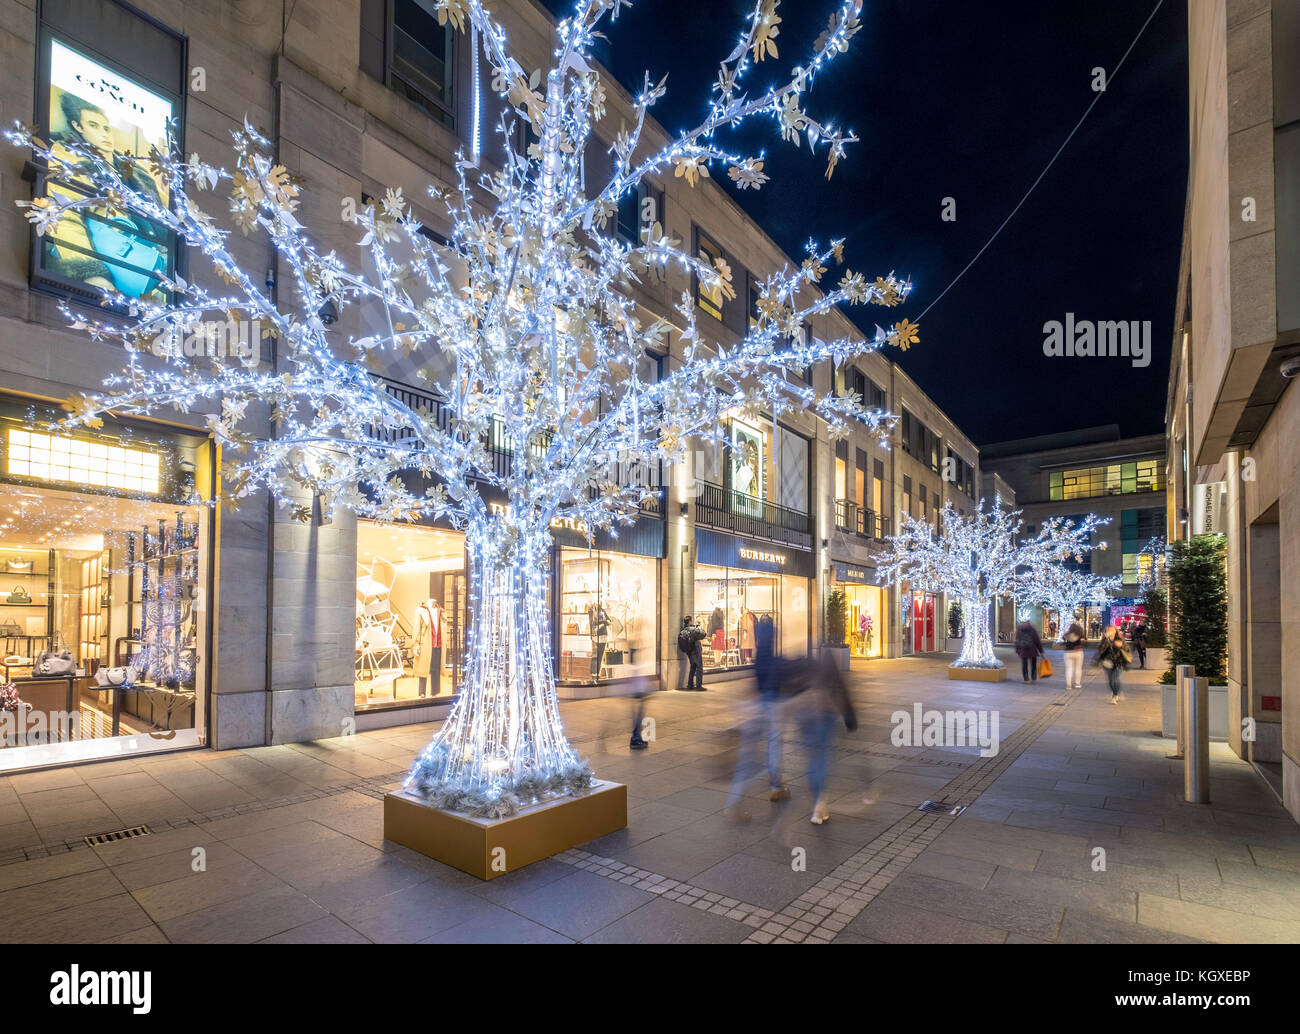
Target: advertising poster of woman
point(91, 106)
point(747, 466)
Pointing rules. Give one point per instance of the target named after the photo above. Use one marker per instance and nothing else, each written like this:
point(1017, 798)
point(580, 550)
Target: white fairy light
point(979, 556)
point(531, 415)
point(1064, 590)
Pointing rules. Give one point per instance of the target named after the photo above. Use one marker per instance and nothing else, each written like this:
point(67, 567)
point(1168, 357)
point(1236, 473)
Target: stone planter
point(1169, 711)
point(838, 654)
point(1157, 658)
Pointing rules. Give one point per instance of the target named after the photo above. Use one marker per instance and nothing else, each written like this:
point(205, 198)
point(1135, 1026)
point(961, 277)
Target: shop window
point(866, 615)
point(105, 541)
point(638, 210)
point(609, 616)
point(411, 614)
point(729, 605)
point(708, 299)
point(98, 88)
point(420, 57)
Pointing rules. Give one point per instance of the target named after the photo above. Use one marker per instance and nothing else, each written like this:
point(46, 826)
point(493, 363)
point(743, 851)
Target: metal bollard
point(1182, 674)
point(1196, 751)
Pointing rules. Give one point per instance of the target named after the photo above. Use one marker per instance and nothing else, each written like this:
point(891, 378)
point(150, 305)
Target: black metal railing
point(865, 523)
point(729, 510)
point(501, 448)
point(846, 515)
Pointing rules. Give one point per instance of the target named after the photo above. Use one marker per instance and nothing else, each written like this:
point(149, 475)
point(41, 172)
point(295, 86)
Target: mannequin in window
point(599, 622)
point(428, 645)
point(718, 629)
point(746, 635)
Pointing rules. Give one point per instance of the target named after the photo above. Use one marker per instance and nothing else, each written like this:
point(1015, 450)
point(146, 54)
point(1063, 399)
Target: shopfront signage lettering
point(563, 523)
point(762, 557)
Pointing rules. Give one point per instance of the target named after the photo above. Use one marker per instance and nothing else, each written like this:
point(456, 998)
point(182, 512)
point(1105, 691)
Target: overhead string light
point(526, 336)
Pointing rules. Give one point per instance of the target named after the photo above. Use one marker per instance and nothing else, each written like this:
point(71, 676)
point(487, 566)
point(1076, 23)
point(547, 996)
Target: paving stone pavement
point(285, 843)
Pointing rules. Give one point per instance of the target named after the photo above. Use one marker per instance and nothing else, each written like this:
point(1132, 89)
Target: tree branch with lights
point(1065, 589)
point(524, 330)
point(977, 557)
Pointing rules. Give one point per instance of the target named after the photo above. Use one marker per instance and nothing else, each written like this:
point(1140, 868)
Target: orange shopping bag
point(1044, 667)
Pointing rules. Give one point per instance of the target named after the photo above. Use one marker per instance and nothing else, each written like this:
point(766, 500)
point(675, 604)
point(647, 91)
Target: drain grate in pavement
point(118, 834)
point(942, 808)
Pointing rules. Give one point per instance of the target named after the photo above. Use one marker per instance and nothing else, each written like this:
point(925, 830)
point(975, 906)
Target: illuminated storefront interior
point(411, 612)
point(608, 615)
point(730, 603)
point(866, 608)
point(102, 623)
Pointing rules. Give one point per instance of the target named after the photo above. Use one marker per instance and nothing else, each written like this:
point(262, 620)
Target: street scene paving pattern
point(1073, 831)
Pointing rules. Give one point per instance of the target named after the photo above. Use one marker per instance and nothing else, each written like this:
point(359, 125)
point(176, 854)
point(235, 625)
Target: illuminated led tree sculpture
point(978, 556)
point(526, 335)
point(1064, 589)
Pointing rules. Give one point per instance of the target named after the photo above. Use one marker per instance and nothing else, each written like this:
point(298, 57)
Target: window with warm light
point(76, 461)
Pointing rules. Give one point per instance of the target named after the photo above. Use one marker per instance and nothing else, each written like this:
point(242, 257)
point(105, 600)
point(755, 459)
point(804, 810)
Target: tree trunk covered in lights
point(503, 746)
point(977, 647)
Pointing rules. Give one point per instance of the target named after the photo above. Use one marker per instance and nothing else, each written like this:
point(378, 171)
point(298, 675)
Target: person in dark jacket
point(1114, 658)
point(1028, 648)
point(1140, 642)
point(688, 641)
point(768, 672)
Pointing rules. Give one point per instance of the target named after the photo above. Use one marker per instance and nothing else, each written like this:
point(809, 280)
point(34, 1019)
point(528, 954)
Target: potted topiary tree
point(837, 619)
point(1156, 602)
point(1198, 626)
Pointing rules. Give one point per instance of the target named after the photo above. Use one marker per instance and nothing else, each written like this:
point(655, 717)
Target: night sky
point(970, 101)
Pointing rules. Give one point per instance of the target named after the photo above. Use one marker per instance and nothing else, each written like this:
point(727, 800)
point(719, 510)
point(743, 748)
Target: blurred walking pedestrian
point(1028, 648)
point(824, 700)
point(688, 642)
point(1114, 658)
point(762, 720)
point(1073, 640)
point(641, 690)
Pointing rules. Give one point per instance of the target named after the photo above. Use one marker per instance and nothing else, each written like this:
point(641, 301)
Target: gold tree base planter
point(488, 848)
point(978, 674)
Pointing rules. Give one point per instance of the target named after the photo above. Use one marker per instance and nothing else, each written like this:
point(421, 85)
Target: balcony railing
point(718, 507)
point(501, 450)
point(866, 524)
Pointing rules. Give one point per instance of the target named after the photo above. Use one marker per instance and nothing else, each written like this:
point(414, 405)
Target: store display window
point(729, 605)
point(104, 558)
point(866, 611)
point(608, 616)
point(411, 614)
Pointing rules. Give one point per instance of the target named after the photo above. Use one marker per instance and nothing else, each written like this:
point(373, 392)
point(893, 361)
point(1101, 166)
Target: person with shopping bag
point(1114, 657)
point(1028, 648)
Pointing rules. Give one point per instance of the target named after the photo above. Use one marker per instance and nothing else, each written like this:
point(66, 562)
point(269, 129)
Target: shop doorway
point(923, 622)
point(452, 593)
